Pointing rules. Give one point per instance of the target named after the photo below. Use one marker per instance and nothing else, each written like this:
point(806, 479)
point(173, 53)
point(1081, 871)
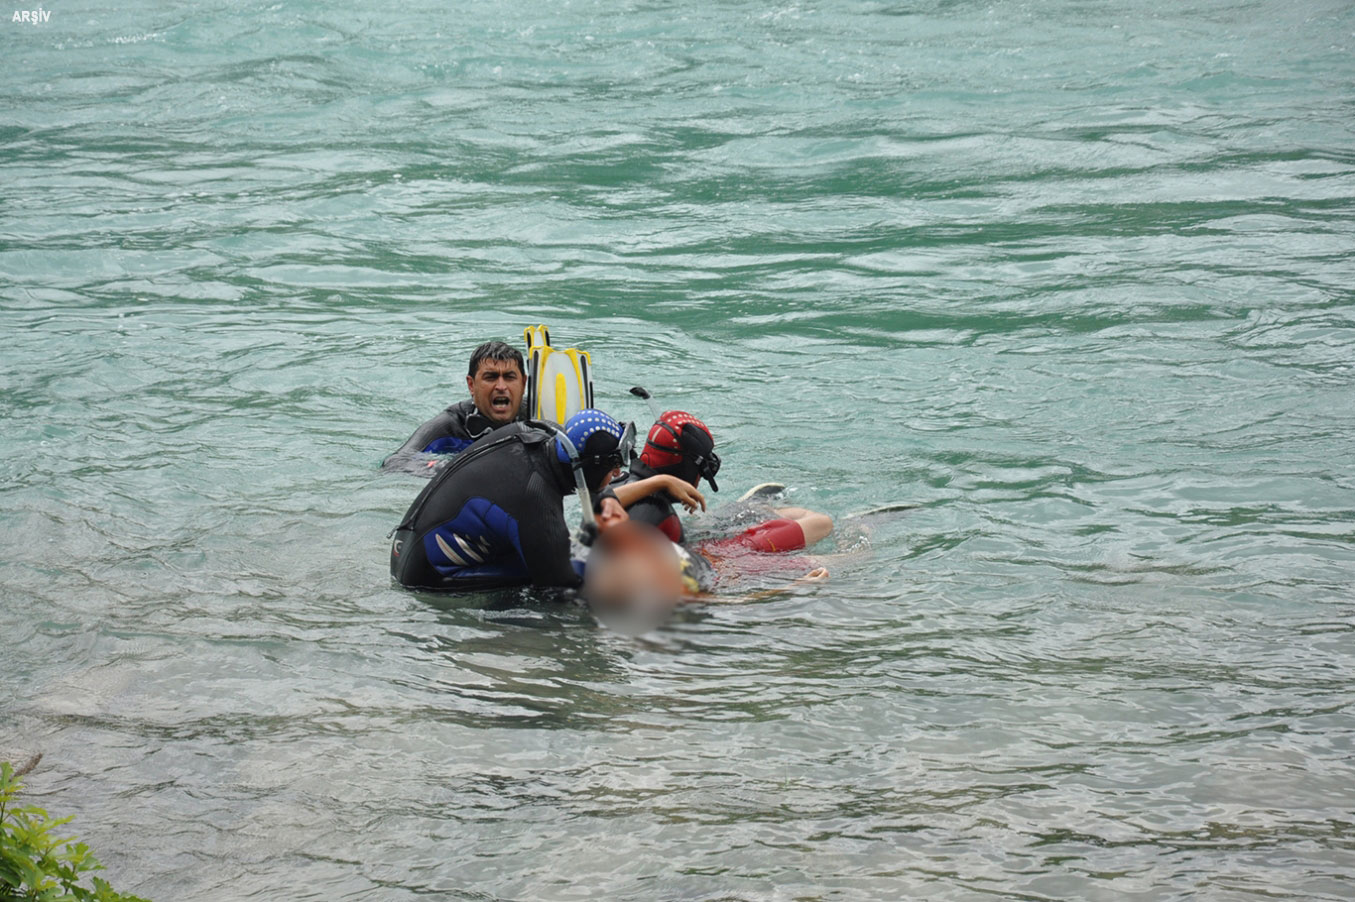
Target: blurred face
point(633, 578)
point(496, 388)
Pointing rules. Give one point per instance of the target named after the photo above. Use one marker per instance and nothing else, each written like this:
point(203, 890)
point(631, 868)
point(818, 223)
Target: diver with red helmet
point(679, 452)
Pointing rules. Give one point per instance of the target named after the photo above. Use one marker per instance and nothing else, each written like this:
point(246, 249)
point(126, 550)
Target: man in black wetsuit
point(496, 384)
point(494, 516)
point(679, 445)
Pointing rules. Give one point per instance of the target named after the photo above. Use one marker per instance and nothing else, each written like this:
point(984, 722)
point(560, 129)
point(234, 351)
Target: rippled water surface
point(1074, 277)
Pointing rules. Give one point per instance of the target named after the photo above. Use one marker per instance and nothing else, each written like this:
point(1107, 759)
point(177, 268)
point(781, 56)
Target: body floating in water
point(635, 576)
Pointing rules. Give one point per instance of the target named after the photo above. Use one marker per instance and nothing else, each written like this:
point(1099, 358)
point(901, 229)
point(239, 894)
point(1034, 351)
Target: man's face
point(496, 388)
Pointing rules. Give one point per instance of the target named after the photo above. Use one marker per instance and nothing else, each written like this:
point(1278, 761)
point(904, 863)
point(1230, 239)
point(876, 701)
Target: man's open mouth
point(501, 404)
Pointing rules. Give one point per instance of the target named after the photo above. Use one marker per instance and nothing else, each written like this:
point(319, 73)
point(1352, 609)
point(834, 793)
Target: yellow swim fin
point(559, 382)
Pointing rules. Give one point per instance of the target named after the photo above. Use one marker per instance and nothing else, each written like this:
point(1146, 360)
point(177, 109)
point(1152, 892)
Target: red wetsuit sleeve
point(774, 535)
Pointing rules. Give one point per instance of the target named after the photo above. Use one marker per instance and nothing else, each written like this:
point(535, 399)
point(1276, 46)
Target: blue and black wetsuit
point(657, 509)
point(492, 517)
point(450, 432)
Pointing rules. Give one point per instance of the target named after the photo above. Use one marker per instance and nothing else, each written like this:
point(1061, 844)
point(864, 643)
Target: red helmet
point(681, 444)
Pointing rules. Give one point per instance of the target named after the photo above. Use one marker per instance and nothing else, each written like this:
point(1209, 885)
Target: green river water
point(1074, 277)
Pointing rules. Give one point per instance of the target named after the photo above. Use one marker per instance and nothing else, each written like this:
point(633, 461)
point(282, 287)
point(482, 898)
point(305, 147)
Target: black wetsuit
point(450, 432)
point(492, 517)
point(657, 509)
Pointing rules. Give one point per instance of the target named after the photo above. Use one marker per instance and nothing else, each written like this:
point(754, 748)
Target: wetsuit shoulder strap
point(549, 426)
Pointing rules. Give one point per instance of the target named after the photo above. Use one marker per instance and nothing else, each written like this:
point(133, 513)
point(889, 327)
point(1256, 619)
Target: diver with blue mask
point(494, 516)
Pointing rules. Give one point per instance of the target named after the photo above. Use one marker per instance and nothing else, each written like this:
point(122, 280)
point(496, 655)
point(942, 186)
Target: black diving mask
point(617, 459)
point(697, 450)
point(708, 465)
point(625, 449)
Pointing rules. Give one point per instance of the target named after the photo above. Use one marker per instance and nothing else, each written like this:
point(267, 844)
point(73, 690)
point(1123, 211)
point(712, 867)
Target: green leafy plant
point(35, 864)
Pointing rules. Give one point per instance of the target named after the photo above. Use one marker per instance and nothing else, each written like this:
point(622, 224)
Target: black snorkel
point(588, 529)
point(639, 392)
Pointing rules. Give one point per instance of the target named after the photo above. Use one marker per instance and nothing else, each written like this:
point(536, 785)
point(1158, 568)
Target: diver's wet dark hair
point(495, 350)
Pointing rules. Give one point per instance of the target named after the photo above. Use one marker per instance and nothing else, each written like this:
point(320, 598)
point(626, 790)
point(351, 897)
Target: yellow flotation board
point(559, 382)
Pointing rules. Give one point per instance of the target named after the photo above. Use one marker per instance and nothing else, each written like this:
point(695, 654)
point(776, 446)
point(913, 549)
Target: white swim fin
point(559, 382)
point(763, 490)
point(897, 508)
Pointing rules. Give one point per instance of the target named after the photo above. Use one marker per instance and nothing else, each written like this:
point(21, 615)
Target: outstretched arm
point(817, 575)
point(683, 492)
point(411, 457)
